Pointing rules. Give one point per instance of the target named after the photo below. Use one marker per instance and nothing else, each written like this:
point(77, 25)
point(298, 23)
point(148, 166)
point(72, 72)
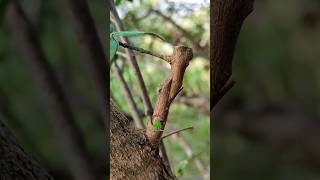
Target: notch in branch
point(169, 89)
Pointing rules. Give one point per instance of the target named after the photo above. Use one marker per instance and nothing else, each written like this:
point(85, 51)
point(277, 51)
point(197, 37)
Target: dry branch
point(169, 90)
point(128, 96)
point(141, 50)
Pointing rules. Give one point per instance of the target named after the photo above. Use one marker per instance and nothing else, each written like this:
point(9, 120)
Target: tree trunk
point(132, 156)
point(15, 163)
point(226, 19)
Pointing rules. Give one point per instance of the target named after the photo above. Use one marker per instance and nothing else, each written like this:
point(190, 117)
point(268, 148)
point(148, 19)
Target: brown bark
point(15, 163)
point(169, 89)
point(133, 63)
point(226, 18)
point(61, 116)
point(132, 156)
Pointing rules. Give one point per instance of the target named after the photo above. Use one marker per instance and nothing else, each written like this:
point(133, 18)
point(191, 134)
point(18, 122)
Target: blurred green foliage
point(25, 112)
point(276, 65)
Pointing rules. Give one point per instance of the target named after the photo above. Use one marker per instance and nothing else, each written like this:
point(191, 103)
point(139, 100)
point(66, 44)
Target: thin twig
point(227, 18)
point(141, 50)
point(128, 96)
point(133, 63)
point(188, 150)
point(169, 89)
point(177, 131)
point(124, 55)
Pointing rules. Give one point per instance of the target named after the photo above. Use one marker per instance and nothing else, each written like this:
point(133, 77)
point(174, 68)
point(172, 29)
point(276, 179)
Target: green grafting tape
point(156, 124)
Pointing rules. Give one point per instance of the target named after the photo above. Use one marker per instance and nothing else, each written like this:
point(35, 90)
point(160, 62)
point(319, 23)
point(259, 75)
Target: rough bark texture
point(131, 154)
point(15, 163)
point(226, 17)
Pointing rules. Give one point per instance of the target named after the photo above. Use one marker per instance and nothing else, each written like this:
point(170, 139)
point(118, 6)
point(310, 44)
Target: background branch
point(226, 19)
point(143, 51)
point(133, 63)
point(128, 95)
point(89, 40)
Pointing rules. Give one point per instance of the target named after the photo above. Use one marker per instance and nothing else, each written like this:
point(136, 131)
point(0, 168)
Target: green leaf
point(156, 124)
point(114, 45)
point(3, 6)
point(181, 166)
point(118, 2)
point(134, 34)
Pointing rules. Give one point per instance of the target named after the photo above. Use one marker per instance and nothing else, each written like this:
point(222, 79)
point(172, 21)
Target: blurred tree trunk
point(15, 163)
point(131, 154)
point(226, 19)
point(62, 118)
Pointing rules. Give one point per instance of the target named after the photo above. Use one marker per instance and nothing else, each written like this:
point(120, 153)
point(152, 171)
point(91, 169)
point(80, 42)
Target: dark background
point(267, 127)
point(22, 106)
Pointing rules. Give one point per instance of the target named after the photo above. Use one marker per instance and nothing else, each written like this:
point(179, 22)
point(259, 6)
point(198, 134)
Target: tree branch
point(188, 150)
point(143, 51)
point(89, 40)
point(133, 63)
point(128, 95)
point(168, 91)
point(226, 17)
point(177, 26)
point(177, 131)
